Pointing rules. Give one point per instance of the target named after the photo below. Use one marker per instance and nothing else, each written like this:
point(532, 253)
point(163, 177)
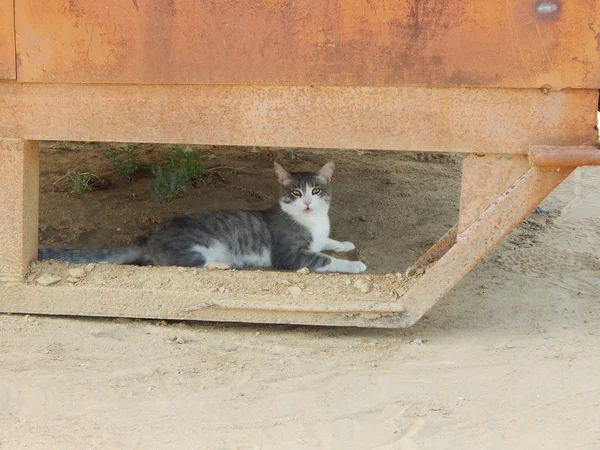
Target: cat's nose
point(307, 203)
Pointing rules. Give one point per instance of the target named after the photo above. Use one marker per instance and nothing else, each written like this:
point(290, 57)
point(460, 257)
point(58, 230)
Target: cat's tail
point(124, 255)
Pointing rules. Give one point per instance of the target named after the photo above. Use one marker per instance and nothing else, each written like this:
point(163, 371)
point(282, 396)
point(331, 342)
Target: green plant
point(372, 234)
point(80, 181)
point(167, 185)
point(184, 160)
point(125, 162)
point(181, 165)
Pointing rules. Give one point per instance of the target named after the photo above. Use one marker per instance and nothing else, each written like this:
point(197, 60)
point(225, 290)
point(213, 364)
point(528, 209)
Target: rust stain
point(311, 42)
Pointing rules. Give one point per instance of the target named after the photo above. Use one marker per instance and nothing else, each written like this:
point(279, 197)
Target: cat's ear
point(282, 175)
point(326, 171)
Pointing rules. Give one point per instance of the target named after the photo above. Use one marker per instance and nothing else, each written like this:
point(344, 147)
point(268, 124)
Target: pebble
point(373, 364)
point(90, 267)
point(510, 346)
point(348, 281)
point(400, 292)
point(222, 289)
point(362, 286)
point(47, 279)
point(294, 290)
point(77, 273)
point(179, 340)
point(304, 271)
point(418, 341)
point(217, 266)
point(73, 279)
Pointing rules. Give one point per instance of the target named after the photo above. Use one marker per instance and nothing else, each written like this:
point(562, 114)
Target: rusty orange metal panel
point(7, 41)
point(474, 43)
point(386, 118)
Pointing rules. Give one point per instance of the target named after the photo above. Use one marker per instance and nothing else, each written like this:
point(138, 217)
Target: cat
point(289, 236)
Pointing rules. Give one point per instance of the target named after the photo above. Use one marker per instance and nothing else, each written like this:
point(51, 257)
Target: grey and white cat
point(289, 236)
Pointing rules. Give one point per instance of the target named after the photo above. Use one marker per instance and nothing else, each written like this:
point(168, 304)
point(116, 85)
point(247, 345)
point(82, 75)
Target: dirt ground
point(509, 358)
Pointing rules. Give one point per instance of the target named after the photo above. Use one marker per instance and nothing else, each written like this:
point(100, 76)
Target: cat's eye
point(316, 191)
point(297, 193)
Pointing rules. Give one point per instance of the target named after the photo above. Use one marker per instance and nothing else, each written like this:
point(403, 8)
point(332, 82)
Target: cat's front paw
point(356, 266)
point(344, 247)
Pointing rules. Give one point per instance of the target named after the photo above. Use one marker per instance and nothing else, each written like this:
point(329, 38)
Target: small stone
point(213, 289)
point(510, 346)
point(418, 341)
point(222, 289)
point(179, 340)
point(373, 364)
point(47, 279)
point(195, 272)
point(73, 280)
point(294, 290)
point(281, 361)
point(77, 273)
point(304, 271)
point(90, 267)
point(362, 286)
point(348, 282)
point(420, 271)
point(400, 292)
point(217, 266)
point(399, 275)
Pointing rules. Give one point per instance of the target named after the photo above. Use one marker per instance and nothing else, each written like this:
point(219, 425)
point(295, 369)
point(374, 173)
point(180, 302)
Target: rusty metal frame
point(498, 190)
point(433, 279)
point(461, 120)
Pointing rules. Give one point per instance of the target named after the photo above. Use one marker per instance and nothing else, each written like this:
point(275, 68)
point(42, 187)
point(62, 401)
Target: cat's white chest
point(318, 225)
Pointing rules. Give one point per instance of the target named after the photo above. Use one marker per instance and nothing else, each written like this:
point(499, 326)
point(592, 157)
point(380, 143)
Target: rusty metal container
point(514, 84)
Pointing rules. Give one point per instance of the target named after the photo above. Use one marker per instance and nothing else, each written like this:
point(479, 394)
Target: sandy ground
point(508, 359)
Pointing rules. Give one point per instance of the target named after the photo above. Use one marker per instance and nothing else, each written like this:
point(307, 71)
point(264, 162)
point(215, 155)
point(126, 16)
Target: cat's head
point(304, 193)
